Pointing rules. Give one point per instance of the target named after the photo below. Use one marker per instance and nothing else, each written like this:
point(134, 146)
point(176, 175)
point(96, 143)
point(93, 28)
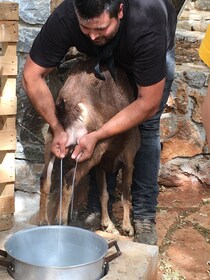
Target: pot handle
point(115, 255)
point(4, 262)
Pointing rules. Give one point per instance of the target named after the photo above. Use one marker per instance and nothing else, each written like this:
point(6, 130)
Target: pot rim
point(36, 228)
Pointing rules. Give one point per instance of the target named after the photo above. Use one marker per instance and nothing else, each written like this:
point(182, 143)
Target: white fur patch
point(84, 114)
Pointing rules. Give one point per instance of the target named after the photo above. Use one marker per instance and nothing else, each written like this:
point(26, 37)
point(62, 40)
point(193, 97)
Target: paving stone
point(164, 220)
point(183, 197)
point(137, 262)
point(189, 253)
point(202, 217)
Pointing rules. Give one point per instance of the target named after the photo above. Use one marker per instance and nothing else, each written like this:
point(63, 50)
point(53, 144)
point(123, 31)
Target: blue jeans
point(145, 187)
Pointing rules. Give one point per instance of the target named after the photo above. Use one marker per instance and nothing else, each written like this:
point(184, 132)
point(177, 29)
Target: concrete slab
point(137, 262)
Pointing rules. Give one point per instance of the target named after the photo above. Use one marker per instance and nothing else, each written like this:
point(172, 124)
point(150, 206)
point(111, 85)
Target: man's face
point(101, 29)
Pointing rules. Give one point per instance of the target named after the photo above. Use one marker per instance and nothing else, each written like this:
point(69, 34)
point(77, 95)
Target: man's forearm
point(144, 107)
point(42, 100)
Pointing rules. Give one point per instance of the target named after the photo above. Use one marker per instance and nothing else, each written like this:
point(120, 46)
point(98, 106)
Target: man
point(137, 35)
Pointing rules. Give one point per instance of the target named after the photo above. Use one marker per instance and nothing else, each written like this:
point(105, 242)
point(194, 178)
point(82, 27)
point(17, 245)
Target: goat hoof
point(111, 229)
point(43, 223)
point(129, 231)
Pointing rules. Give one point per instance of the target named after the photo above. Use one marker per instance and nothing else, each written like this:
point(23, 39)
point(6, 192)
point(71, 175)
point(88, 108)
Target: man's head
point(99, 19)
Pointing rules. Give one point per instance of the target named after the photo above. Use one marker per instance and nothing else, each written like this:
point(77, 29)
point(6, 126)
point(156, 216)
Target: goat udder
point(75, 133)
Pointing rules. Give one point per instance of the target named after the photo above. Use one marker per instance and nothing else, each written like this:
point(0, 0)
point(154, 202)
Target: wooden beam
point(8, 86)
point(7, 204)
point(8, 31)
point(9, 49)
point(7, 140)
point(8, 65)
point(6, 221)
point(7, 167)
point(8, 122)
point(9, 11)
point(7, 189)
point(8, 105)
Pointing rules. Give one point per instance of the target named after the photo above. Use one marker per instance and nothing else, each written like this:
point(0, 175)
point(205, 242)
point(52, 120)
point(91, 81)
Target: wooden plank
point(7, 140)
point(7, 189)
point(8, 65)
point(8, 86)
point(7, 204)
point(8, 105)
point(8, 31)
point(9, 49)
point(8, 122)
point(9, 11)
point(6, 221)
point(7, 167)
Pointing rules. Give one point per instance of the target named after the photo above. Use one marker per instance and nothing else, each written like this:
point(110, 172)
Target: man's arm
point(42, 100)
point(144, 107)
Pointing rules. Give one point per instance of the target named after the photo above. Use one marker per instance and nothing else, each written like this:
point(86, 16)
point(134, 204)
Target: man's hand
point(85, 147)
point(58, 147)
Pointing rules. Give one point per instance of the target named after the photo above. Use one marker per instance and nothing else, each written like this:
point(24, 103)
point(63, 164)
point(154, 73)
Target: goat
point(84, 104)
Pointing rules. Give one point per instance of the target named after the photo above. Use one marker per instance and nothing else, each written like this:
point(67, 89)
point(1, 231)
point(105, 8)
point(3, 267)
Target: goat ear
point(84, 112)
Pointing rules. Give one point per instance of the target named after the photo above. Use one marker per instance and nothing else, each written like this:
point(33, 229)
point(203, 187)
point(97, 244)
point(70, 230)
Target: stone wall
point(184, 159)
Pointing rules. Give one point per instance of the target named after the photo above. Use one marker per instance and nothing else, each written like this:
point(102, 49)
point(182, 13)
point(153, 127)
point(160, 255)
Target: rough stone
point(202, 5)
point(26, 37)
point(31, 13)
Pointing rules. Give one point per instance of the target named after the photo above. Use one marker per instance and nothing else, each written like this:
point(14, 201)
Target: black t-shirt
point(148, 31)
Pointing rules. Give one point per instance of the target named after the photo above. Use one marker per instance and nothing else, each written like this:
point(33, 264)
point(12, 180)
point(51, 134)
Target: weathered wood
point(9, 16)
point(8, 31)
point(8, 105)
point(7, 204)
point(6, 221)
point(9, 11)
point(7, 140)
point(8, 65)
point(7, 167)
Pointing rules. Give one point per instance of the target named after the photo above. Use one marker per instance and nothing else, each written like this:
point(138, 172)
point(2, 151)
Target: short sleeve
point(150, 56)
point(52, 43)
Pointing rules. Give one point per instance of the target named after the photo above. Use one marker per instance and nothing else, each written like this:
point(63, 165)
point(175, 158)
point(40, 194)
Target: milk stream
point(60, 246)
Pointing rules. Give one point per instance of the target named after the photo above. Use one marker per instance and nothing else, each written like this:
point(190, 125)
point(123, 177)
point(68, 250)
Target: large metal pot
point(56, 252)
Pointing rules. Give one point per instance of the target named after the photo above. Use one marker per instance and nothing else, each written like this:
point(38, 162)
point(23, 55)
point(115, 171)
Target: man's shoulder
point(65, 11)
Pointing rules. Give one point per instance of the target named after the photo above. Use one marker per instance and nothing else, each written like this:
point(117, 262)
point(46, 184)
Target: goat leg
point(45, 185)
point(62, 213)
point(106, 222)
point(126, 186)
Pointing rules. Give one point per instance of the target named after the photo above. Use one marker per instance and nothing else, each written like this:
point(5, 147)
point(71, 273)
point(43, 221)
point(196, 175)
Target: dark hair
point(94, 8)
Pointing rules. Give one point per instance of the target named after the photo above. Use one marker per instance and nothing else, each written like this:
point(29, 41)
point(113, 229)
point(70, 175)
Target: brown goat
point(84, 104)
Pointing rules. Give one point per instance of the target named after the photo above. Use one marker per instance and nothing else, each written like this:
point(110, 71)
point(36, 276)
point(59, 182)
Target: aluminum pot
point(56, 252)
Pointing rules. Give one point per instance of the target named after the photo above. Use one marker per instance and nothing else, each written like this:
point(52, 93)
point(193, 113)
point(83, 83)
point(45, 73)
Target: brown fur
point(102, 99)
